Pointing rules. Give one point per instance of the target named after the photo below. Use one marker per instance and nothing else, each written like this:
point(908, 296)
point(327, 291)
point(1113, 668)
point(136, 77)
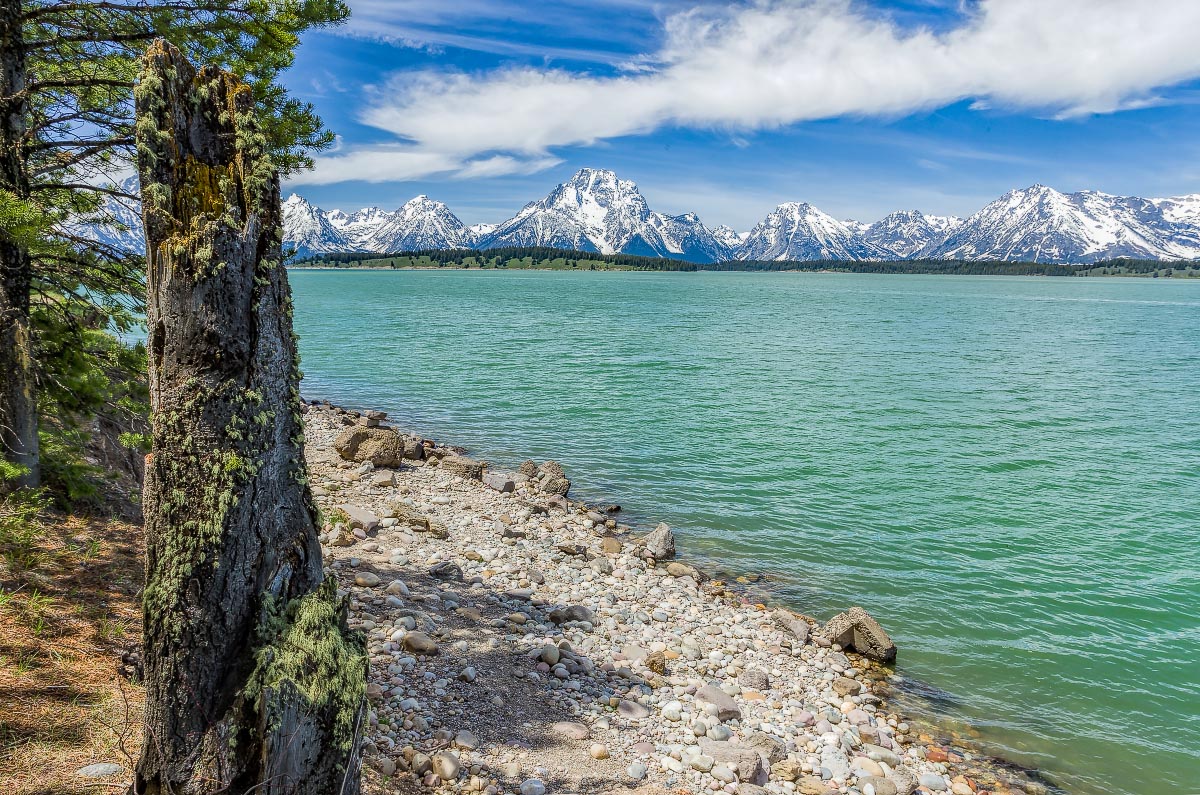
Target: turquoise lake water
point(1004, 471)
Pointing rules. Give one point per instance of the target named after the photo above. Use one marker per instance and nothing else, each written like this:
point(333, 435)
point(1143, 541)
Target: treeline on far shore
point(545, 258)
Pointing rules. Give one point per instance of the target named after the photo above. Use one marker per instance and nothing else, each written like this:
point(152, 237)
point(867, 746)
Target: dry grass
point(64, 625)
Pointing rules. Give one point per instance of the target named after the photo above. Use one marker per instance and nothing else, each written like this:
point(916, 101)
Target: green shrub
point(21, 526)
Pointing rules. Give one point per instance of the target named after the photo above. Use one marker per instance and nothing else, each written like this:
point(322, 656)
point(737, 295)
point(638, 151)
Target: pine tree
point(67, 72)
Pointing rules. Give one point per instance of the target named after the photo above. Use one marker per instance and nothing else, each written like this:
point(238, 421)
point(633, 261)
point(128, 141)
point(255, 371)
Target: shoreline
point(809, 737)
point(1184, 276)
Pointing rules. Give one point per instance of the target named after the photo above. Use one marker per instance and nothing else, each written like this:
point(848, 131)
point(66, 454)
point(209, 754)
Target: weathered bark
point(18, 393)
point(253, 681)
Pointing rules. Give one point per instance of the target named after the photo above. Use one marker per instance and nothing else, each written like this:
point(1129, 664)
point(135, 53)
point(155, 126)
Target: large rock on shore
point(748, 762)
point(549, 477)
point(501, 483)
point(407, 515)
point(857, 630)
point(660, 544)
point(383, 447)
point(462, 466)
point(797, 627)
point(359, 517)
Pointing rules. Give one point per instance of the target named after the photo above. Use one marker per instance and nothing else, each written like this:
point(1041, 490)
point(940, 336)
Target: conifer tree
point(67, 72)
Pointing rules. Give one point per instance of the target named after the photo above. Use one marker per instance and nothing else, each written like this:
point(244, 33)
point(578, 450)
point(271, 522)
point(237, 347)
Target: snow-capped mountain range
point(597, 211)
point(118, 222)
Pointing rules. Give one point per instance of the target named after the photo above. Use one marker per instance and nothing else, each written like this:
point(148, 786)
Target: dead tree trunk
point(18, 392)
point(253, 681)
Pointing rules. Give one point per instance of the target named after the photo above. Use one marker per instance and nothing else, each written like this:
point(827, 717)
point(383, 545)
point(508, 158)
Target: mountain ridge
point(596, 211)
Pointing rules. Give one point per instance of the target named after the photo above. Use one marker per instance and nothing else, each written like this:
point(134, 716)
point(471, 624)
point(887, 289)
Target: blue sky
point(858, 106)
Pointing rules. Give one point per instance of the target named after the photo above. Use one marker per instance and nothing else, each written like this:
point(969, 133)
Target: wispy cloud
point(509, 27)
point(771, 63)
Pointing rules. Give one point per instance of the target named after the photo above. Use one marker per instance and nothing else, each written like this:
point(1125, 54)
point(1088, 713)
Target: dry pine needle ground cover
point(68, 611)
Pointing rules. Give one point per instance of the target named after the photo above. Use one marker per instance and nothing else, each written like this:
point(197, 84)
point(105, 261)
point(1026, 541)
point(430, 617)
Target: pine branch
point(94, 38)
point(88, 142)
point(83, 82)
point(84, 187)
point(131, 8)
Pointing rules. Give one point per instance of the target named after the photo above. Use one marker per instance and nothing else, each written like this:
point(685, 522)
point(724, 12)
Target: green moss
point(306, 645)
point(199, 485)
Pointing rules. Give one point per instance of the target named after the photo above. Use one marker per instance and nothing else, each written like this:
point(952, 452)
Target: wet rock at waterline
point(855, 629)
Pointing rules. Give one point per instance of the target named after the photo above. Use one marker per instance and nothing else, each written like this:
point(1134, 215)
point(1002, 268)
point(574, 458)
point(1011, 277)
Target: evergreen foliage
point(545, 258)
point(67, 138)
point(510, 258)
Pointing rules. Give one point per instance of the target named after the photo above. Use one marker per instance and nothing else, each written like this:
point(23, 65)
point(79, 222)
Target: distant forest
point(545, 258)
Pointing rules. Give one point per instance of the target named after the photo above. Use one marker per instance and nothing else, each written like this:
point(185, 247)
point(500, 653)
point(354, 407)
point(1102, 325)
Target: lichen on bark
point(253, 680)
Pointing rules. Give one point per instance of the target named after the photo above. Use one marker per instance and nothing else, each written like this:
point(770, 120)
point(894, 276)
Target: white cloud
point(378, 164)
point(499, 165)
point(772, 63)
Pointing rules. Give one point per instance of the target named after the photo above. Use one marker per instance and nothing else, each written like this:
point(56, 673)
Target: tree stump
point(253, 681)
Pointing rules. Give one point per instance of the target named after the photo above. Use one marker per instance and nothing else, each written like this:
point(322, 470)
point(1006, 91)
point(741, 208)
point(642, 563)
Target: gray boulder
point(772, 750)
point(878, 785)
point(572, 613)
point(501, 483)
point(420, 643)
point(755, 679)
point(855, 629)
point(446, 570)
point(660, 544)
point(408, 515)
point(904, 779)
point(748, 762)
point(677, 569)
point(359, 517)
point(727, 708)
point(796, 627)
point(555, 485)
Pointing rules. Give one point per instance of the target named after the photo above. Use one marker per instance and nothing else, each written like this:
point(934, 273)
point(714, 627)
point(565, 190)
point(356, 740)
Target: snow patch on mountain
point(906, 233)
point(1180, 209)
point(117, 223)
point(422, 223)
point(1040, 224)
point(599, 212)
point(308, 230)
point(799, 231)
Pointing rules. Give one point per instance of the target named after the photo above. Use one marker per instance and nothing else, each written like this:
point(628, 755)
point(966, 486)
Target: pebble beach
point(521, 641)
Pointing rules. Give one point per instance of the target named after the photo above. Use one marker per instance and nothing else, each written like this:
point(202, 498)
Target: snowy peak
point(422, 223)
point(686, 237)
point(730, 238)
point(799, 231)
point(117, 223)
point(906, 233)
point(368, 216)
point(308, 231)
point(597, 211)
point(1040, 224)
